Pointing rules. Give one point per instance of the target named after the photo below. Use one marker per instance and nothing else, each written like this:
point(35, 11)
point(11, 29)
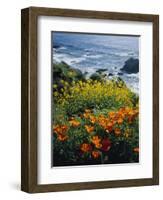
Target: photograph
point(95, 99)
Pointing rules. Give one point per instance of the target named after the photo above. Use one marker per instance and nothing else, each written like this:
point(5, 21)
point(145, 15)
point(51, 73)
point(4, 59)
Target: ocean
point(90, 52)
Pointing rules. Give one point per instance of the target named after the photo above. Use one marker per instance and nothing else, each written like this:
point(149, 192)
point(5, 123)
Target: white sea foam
point(122, 54)
point(133, 75)
point(92, 56)
point(68, 59)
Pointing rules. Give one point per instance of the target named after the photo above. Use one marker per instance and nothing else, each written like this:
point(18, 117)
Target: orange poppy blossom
point(102, 123)
point(132, 114)
point(95, 154)
point(117, 117)
point(136, 149)
point(122, 111)
point(109, 127)
point(102, 120)
point(61, 130)
point(111, 115)
point(120, 121)
point(92, 119)
point(117, 131)
point(89, 129)
point(74, 123)
point(85, 147)
point(106, 123)
point(86, 115)
point(120, 115)
point(127, 110)
point(62, 137)
point(96, 141)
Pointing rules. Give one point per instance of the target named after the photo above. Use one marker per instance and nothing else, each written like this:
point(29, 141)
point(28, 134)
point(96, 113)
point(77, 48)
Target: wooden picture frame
point(29, 134)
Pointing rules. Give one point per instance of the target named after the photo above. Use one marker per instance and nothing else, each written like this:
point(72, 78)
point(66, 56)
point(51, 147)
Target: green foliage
point(62, 71)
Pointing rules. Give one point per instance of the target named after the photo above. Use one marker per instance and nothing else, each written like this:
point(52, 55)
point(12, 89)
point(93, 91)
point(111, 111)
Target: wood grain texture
point(29, 101)
point(156, 100)
point(24, 100)
point(91, 14)
point(29, 87)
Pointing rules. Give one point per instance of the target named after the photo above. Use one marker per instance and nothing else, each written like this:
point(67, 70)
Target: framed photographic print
point(90, 100)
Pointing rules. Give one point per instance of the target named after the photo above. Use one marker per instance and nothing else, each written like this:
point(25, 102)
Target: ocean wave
point(92, 56)
point(68, 59)
point(132, 75)
point(121, 54)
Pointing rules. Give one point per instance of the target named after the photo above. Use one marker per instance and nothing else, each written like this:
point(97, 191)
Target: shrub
point(78, 96)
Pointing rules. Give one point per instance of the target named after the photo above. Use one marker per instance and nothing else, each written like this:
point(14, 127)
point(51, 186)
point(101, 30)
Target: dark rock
point(131, 66)
point(120, 73)
point(96, 76)
point(101, 70)
point(56, 46)
point(110, 74)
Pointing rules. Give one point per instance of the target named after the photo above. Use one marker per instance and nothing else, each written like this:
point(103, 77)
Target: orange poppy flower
point(112, 114)
point(136, 149)
point(95, 154)
point(64, 128)
point(102, 121)
point(57, 129)
point(96, 141)
point(89, 129)
point(62, 137)
point(74, 123)
point(60, 129)
point(85, 147)
point(92, 119)
point(98, 145)
point(127, 110)
point(109, 127)
point(131, 112)
point(86, 115)
point(101, 117)
point(120, 121)
point(117, 131)
point(121, 110)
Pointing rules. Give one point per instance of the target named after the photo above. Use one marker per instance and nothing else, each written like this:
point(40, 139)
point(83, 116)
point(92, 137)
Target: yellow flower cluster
point(92, 90)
